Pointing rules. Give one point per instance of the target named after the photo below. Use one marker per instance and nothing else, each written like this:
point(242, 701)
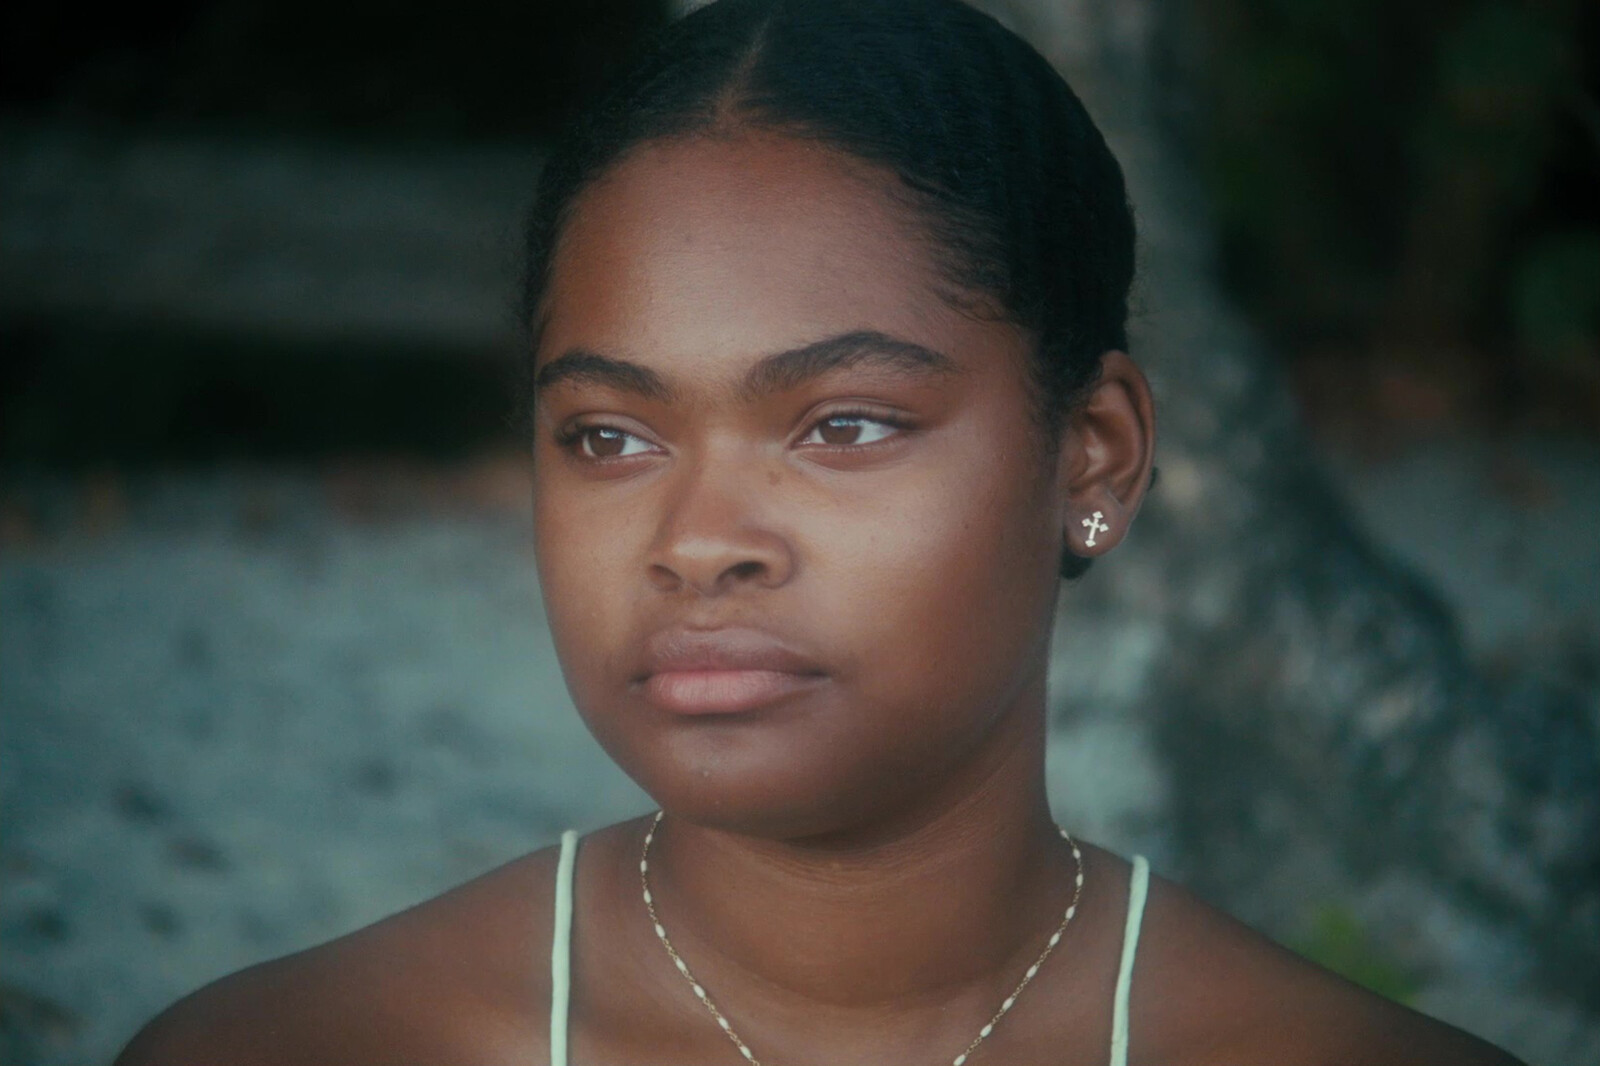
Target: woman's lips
point(698, 692)
point(721, 671)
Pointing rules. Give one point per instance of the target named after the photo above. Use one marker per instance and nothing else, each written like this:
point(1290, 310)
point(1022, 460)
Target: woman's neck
point(896, 914)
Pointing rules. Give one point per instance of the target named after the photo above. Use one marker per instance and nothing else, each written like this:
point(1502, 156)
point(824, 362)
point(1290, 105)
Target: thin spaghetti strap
point(561, 950)
point(1138, 888)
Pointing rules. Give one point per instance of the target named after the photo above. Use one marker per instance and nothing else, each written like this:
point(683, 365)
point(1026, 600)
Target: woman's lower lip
point(692, 692)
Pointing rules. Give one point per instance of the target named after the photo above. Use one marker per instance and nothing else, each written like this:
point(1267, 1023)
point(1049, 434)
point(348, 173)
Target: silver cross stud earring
point(1094, 525)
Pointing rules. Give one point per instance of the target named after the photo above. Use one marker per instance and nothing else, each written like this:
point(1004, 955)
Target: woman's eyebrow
point(782, 371)
point(581, 365)
point(778, 372)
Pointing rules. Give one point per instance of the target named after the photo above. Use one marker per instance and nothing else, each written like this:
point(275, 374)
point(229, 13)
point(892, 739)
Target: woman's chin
point(812, 768)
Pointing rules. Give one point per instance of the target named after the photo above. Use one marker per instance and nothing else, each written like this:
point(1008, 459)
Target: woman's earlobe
point(1106, 460)
point(1094, 532)
point(1094, 525)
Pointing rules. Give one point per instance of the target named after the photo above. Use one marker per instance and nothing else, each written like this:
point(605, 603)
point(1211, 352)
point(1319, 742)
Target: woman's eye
point(605, 442)
point(850, 429)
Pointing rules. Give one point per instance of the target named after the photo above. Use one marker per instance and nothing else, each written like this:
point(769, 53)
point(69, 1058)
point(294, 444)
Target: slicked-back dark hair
point(995, 155)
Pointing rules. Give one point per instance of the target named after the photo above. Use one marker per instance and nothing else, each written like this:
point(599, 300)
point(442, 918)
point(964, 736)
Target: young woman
point(828, 390)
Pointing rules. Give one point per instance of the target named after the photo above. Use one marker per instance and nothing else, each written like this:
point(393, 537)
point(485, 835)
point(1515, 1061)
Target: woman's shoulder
point(464, 976)
point(1209, 989)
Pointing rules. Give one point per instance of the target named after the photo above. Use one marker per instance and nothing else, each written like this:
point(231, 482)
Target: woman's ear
point(1107, 448)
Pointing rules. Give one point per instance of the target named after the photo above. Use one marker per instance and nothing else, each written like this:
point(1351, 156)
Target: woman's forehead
point(744, 244)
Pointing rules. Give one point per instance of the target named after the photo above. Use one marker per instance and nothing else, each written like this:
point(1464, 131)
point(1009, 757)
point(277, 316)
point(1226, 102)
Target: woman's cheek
point(572, 571)
point(958, 569)
point(919, 568)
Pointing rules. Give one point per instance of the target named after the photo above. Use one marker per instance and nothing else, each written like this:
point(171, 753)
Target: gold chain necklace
point(722, 1022)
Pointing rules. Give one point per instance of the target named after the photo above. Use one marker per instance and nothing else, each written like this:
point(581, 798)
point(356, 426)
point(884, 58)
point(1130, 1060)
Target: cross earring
point(1094, 525)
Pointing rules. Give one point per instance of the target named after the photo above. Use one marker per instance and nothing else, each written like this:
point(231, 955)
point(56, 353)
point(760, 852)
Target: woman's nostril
point(746, 570)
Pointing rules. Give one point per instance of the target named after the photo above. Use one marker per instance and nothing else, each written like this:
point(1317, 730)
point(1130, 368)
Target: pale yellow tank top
point(561, 955)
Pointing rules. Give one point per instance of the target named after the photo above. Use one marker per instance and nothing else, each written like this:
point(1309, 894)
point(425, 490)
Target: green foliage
point(1500, 75)
point(1390, 178)
point(1502, 49)
point(1337, 941)
point(1556, 297)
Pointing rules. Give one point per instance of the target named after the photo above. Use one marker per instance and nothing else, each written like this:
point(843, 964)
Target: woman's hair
point(996, 156)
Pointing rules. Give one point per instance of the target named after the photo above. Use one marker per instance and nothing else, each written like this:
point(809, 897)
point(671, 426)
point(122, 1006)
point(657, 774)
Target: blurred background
point(271, 658)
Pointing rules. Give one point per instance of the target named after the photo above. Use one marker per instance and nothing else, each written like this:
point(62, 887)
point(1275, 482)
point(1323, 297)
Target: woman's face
point(797, 541)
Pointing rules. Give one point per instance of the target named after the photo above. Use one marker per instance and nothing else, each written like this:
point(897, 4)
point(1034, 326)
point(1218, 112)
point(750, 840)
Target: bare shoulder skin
point(455, 979)
point(1208, 989)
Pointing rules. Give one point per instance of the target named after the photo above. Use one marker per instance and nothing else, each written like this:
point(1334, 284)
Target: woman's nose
point(713, 537)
